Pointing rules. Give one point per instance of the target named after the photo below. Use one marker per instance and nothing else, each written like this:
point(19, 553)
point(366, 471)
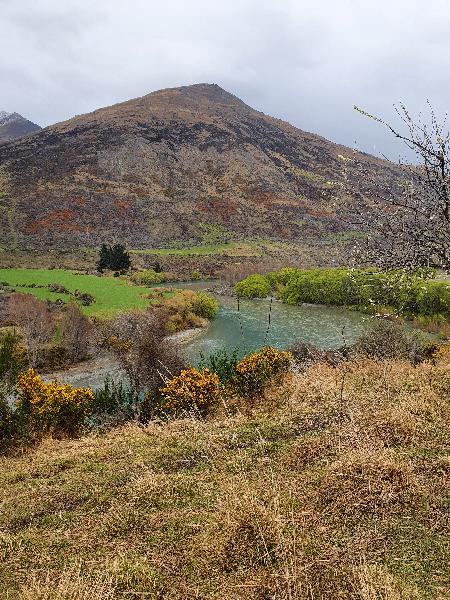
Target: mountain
point(13, 125)
point(168, 167)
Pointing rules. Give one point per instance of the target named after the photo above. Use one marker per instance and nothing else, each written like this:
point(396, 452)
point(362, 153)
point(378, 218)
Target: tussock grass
point(335, 486)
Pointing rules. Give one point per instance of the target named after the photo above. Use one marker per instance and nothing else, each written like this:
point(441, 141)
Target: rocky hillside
point(13, 125)
point(179, 164)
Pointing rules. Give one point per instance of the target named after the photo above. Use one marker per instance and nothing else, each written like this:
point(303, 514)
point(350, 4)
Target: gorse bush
point(52, 406)
point(196, 275)
point(191, 391)
point(253, 286)
point(256, 369)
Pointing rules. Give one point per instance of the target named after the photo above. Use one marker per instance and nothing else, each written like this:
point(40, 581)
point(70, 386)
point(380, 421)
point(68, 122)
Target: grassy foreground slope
point(111, 294)
point(335, 487)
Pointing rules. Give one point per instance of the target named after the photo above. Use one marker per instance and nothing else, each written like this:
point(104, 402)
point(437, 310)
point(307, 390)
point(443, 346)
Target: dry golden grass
point(70, 584)
point(335, 487)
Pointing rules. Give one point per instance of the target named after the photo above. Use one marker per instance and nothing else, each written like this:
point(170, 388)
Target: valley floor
point(333, 486)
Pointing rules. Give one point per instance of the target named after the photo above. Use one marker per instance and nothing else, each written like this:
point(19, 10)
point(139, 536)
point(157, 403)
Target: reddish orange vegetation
point(221, 207)
point(266, 199)
point(122, 205)
point(79, 201)
point(65, 220)
point(321, 213)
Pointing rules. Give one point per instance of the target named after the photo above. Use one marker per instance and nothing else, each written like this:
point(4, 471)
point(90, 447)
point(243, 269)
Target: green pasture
point(111, 294)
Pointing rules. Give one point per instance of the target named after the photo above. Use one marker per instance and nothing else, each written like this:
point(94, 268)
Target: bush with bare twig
point(34, 320)
point(76, 329)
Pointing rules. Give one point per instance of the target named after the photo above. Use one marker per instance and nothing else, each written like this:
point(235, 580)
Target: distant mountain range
point(169, 166)
point(13, 126)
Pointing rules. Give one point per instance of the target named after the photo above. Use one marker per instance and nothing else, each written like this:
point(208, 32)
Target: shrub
point(75, 332)
point(440, 351)
point(253, 286)
point(191, 390)
point(35, 321)
point(12, 358)
point(114, 403)
point(388, 340)
point(256, 369)
point(189, 309)
point(138, 341)
point(204, 305)
point(196, 275)
point(7, 421)
point(148, 277)
point(52, 406)
point(305, 354)
point(57, 287)
point(84, 298)
point(221, 362)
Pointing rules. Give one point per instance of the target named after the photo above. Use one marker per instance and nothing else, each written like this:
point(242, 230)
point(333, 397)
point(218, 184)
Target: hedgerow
point(405, 293)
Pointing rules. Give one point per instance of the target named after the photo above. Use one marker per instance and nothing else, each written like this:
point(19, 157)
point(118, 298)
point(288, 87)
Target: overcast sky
point(307, 62)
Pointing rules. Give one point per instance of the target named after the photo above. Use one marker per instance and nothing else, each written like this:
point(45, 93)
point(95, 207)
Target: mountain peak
point(210, 93)
point(187, 103)
point(213, 93)
point(13, 125)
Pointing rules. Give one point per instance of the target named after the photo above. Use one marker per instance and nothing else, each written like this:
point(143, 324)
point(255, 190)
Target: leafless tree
point(407, 222)
point(139, 341)
point(35, 321)
point(76, 331)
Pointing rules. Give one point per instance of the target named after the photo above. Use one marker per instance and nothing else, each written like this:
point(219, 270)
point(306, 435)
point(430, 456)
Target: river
point(247, 329)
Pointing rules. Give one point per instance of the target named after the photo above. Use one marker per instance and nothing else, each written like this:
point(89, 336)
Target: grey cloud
point(306, 62)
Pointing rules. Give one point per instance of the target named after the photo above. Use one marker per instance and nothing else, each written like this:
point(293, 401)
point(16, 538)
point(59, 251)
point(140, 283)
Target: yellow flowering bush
point(191, 390)
point(441, 351)
point(54, 406)
point(256, 369)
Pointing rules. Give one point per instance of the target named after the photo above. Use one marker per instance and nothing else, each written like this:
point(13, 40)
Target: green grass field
point(111, 294)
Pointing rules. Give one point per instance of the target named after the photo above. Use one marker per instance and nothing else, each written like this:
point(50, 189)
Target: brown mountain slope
point(167, 166)
point(13, 125)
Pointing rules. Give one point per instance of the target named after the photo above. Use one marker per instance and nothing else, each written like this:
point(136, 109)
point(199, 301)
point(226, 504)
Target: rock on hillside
point(174, 165)
point(13, 125)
